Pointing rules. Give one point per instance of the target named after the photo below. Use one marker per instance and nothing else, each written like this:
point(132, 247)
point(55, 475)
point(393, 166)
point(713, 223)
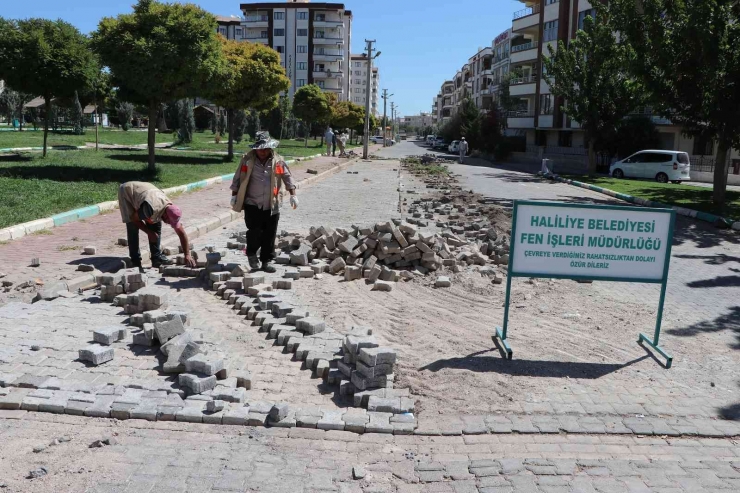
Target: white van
point(661, 166)
point(430, 139)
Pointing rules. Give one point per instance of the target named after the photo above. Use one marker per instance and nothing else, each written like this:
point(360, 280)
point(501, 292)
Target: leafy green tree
point(185, 121)
point(311, 106)
point(11, 104)
point(125, 112)
point(635, 134)
point(250, 77)
point(349, 115)
point(47, 58)
point(592, 75)
point(688, 56)
point(77, 117)
point(239, 125)
point(161, 52)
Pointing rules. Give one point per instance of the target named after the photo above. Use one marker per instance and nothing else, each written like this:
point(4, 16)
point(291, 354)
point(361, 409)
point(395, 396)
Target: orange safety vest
point(279, 170)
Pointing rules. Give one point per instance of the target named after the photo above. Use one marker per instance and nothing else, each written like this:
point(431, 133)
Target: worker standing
point(256, 189)
point(463, 148)
point(329, 138)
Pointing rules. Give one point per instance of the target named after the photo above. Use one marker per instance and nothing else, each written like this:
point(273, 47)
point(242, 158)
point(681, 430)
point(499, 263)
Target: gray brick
point(109, 335)
point(166, 330)
point(96, 354)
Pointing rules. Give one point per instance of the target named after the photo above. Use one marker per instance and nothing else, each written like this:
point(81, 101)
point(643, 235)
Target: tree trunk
point(230, 127)
point(720, 174)
point(152, 135)
point(351, 135)
point(307, 133)
point(47, 107)
point(591, 158)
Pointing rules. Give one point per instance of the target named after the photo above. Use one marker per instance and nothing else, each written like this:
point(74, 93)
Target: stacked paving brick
point(354, 362)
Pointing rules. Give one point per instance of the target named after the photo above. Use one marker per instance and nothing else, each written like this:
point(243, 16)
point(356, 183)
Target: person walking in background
point(255, 189)
point(463, 148)
point(144, 207)
point(341, 141)
point(329, 138)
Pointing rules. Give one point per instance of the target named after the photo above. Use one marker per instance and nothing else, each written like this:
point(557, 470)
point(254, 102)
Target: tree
point(239, 125)
point(78, 117)
point(185, 121)
point(47, 58)
point(635, 134)
point(253, 123)
point(591, 74)
point(125, 112)
point(688, 56)
point(250, 77)
point(349, 115)
point(311, 105)
point(12, 102)
point(160, 52)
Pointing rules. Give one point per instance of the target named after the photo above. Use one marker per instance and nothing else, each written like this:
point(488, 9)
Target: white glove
point(233, 200)
point(293, 201)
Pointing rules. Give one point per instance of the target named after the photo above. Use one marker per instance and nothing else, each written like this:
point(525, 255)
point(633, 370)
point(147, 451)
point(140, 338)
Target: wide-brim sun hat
point(264, 141)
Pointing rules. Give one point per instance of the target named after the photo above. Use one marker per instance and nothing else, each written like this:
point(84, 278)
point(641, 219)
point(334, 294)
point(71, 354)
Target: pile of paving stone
point(355, 362)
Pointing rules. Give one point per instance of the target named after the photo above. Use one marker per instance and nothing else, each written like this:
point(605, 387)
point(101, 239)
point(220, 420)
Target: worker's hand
point(294, 201)
point(233, 200)
point(153, 237)
point(190, 261)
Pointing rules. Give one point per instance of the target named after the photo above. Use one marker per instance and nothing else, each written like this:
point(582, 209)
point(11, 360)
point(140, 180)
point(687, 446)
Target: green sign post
point(590, 242)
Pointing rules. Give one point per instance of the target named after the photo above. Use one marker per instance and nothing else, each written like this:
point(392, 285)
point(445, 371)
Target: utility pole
point(393, 120)
point(385, 116)
point(368, 93)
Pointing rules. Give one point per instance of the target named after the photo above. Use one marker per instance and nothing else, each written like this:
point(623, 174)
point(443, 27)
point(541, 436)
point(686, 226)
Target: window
point(263, 34)
point(280, 49)
point(582, 16)
point(279, 32)
point(320, 83)
point(302, 66)
point(302, 32)
point(301, 82)
point(546, 104)
point(239, 32)
point(320, 17)
point(318, 34)
point(279, 16)
point(358, 73)
point(358, 90)
point(222, 31)
point(302, 49)
point(302, 16)
point(565, 139)
point(551, 31)
point(319, 67)
point(358, 64)
point(703, 146)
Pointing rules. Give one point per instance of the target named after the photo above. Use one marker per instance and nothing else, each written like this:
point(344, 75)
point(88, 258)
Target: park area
point(34, 187)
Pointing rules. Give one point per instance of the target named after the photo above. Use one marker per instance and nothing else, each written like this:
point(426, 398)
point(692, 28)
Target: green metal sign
point(590, 242)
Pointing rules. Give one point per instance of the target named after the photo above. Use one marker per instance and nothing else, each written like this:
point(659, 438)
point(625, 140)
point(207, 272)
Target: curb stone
point(20, 230)
point(702, 216)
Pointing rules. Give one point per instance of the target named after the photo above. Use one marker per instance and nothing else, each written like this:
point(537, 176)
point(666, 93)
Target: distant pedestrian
point(329, 137)
point(463, 148)
point(255, 189)
point(341, 141)
point(144, 207)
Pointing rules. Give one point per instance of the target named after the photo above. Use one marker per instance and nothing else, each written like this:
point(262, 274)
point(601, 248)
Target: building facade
point(358, 84)
point(418, 121)
point(313, 40)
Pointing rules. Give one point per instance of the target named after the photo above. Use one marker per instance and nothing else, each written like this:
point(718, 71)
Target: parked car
point(454, 147)
point(377, 139)
point(430, 139)
point(661, 166)
point(439, 143)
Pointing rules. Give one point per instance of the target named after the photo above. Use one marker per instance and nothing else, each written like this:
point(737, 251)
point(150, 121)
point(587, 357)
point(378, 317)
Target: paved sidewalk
point(59, 249)
point(182, 457)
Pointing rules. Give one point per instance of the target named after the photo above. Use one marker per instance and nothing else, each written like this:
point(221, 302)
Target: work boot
point(160, 261)
point(267, 267)
point(254, 263)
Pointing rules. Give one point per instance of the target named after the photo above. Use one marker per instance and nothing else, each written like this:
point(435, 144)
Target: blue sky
point(422, 42)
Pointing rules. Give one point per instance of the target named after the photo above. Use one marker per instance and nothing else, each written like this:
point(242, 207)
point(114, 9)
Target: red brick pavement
point(60, 249)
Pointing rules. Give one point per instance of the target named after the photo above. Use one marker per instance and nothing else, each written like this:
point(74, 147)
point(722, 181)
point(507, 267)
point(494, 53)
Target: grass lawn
point(32, 187)
point(688, 196)
point(35, 138)
point(204, 141)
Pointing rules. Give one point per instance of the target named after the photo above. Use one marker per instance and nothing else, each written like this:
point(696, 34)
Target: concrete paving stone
point(101, 408)
point(311, 325)
point(109, 335)
point(196, 384)
point(236, 416)
point(204, 364)
point(295, 315)
point(256, 419)
point(169, 329)
point(15, 398)
point(29, 381)
point(96, 354)
point(331, 420)
point(147, 411)
point(189, 414)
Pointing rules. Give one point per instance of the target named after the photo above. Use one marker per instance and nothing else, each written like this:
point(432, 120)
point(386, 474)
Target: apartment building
point(444, 102)
point(418, 121)
point(358, 84)
point(313, 40)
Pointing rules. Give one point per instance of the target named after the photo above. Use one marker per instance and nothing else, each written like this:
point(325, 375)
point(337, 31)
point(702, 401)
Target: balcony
point(330, 22)
point(327, 40)
point(524, 52)
point(486, 71)
point(520, 119)
point(488, 91)
point(328, 56)
point(255, 21)
point(337, 90)
point(327, 74)
point(257, 38)
point(526, 18)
